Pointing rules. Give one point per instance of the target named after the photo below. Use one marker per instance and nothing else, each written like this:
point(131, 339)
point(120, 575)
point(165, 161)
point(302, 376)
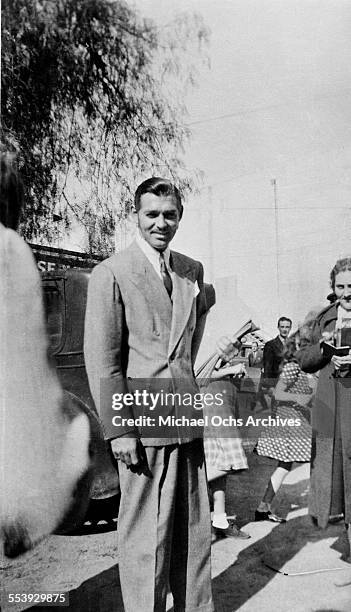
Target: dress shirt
point(343, 319)
point(154, 256)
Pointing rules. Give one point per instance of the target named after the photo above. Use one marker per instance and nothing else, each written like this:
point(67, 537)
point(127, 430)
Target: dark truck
point(65, 296)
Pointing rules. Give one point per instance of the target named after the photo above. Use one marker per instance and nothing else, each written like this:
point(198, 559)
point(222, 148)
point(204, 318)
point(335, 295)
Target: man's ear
point(133, 217)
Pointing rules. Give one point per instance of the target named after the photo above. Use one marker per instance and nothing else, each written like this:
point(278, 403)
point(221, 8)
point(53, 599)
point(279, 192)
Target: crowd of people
point(145, 317)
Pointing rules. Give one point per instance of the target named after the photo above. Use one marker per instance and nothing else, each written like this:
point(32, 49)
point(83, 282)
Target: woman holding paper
point(331, 418)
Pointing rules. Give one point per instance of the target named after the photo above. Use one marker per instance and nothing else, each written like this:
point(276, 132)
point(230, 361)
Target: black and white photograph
point(175, 305)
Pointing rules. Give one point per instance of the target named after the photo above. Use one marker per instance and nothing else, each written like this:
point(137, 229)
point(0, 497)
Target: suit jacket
point(273, 353)
point(133, 332)
point(256, 359)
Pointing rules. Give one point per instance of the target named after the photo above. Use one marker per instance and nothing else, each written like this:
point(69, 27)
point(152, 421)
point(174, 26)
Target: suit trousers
point(164, 537)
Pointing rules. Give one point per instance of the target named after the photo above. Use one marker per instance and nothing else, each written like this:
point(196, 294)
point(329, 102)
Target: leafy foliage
point(92, 98)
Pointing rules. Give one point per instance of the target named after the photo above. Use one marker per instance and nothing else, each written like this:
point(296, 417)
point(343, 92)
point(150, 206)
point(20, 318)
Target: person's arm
point(202, 311)
point(237, 370)
point(287, 378)
point(268, 363)
point(103, 336)
point(310, 356)
point(282, 395)
point(103, 346)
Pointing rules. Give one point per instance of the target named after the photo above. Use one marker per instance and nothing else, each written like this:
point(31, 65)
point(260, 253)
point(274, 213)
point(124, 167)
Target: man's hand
point(228, 370)
point(128, 450)
point(226, 349)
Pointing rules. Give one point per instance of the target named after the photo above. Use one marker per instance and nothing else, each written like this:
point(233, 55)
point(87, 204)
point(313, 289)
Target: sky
point(274, 105)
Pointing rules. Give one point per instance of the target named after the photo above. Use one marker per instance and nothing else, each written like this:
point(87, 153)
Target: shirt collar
point(152, 254)
point(342, 314)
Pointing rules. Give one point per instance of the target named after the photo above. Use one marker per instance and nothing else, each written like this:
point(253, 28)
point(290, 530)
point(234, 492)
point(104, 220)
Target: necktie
point(166, 278)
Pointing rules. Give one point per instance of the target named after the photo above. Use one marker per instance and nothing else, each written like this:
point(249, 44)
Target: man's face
point(158, 219)
point(343, 288)
point(284, 328)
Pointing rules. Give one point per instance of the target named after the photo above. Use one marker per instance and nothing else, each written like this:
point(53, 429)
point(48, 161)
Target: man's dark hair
point(281, 319)
point(159, 187)
point(11, 191)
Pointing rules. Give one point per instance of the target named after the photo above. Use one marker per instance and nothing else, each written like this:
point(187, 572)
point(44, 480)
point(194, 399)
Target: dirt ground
point(245, 572)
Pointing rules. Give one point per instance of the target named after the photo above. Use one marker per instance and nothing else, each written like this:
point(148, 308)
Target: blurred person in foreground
point(45, 441)
point(331, 419)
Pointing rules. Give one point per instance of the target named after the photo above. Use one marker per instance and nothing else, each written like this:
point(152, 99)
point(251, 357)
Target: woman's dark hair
point(291, 348)
point(341, 266)
point(11, 190)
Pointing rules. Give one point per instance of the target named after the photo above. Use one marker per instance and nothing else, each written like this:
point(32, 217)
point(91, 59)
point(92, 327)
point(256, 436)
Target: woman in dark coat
point(331, 416)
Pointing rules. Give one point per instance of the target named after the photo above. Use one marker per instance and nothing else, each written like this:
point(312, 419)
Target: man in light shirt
point(145, 318)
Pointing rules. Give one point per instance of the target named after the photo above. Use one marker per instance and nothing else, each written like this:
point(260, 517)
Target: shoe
point(336, 518)
point(268, 516)
point(232, 531)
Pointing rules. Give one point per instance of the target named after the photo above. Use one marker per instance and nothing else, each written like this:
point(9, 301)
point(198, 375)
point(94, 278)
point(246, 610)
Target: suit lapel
point(278, 343)
point(182, 297)
point(145, 278)
point(148, 282)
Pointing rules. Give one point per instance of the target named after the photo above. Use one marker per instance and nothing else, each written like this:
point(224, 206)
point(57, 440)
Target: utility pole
point(276, 223)
point(210, 233)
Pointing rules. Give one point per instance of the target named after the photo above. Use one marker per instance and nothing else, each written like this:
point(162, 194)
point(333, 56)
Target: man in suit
point(255, 356)
point(145, 317)
point(273, 354)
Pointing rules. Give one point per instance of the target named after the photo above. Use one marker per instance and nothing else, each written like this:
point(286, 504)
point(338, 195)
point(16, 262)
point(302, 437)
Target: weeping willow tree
point(92, 97)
